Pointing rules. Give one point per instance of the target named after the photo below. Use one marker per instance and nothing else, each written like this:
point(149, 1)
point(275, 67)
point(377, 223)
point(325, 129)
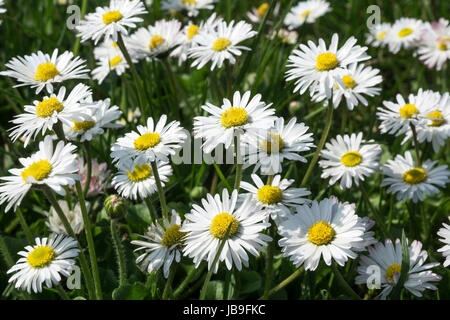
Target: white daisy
point(276, 197)
point(388, 258)
point(241, 116)
point(282, 141)
point(150, 142)
point(377, 34)
point(108, 21)
point(257, 14)
point(368, 237)
point(327, 229)
point(162, 245)
point(109, 58)
point(133, 180)
point(409, 181)
point(347, 158)
point(444, 233)
point(40, 70)
point(405, 33)
point(207, 226)
point(52, 167)
point(306, 12)
point(318, 68)
point(434, 48)
point(74, 216)
point(220, 43)
point(44, 114)
point(192, 7)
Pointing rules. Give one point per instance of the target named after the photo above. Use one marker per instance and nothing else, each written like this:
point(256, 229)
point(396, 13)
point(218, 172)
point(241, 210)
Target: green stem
point(162, 197)
point(228, 73)
point(376, 213)
point(63, 294)
point(119, 253)
point(76, 46)
point(269, 263)
point(416, 145)
point(238, 162)
point(89, 167)
point(285, 282)
point(25, 226)
point(5, 252)
point(340, 279)
point(189, 278)
point(174, 87)
point(90, 241)
point(168, 286)
point(151, 209)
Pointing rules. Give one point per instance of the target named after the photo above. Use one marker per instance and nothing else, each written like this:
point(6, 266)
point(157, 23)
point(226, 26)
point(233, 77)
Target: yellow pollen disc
point(392, 270)
point(381, 35)
point(263, 9)
point(326, 61)
point(189, 2)
point(172, 236)
point(414, 176)
point(45, 71)
point(115, 61)
point(320, 233)
point(83, 125)
point(408, 110)
point(220, 223)
point(436, 114)
point(348, 82)
point(47, 107)
point(114, 44)
point(305, 13)
point(234, 117)
point(269, 194)
point(221, 44)
point(442, 46)
point(38, 170)
point(41, 257)
point(192, 31)
point(111, 16)
point(405, 32)
point(156, 41)
point(147, 140)
point(140, 173)
point(275, 145)
point(351, 159)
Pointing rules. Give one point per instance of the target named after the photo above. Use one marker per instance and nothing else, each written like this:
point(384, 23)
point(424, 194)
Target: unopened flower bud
point(115, 206)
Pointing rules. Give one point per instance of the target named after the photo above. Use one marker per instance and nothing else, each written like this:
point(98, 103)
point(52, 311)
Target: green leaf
point(215, 290)
point(136, 291)
point(251, 281)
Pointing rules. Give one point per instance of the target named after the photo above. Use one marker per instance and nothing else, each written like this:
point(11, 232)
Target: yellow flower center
point(320, 233)
point(172, 236)
point(47, 107)
point(442, 46)
point(392, 270)
point(83, 125)
point(414, 176)
point(41, 257)
point(156, 41)
point(305, 13)
point(115, 61)
point(269, 194)
point(111, 16)
point(405, 32)
point(189, 2)
point(140, 173)
point(348, 82)
point(326, 61)
point(221, 44)
point(234, 117)
point(114, 44)
point(45, 71)
point(381, 35)
point(220, 224)
point(147, 140)
point(38, 170)
point(438, 115)
point(262, 9)
point(275, 145)
point(408, 110)
point(192, 31)
point(351, 159)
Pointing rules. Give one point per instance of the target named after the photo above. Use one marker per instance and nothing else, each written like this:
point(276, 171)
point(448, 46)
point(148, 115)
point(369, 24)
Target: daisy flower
point(220, 43)
point(306, 12)
point(44, 114)
point(109, 58)
point(318, 68)
point(444, 233)
point(368, 237)
point(409, 181)
point(40, 70)
point(241, 116)
point(434, 48)
point(155, 41)
point(74, 216)
point(388, 258)
point(289, 37)
point(347, 158)
point(109, 21)
point(99, 117)
point(282, 141)
point(192, 7)
point(327, 229)
point(135, 180)
point(206, 227)
point(99, 176)
point(150, 142)
point(257, 14)
point(405, 33)
point(277, 196)
point(377, 34)
point(51, 167)
point(44, 263)
point(161, 245)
